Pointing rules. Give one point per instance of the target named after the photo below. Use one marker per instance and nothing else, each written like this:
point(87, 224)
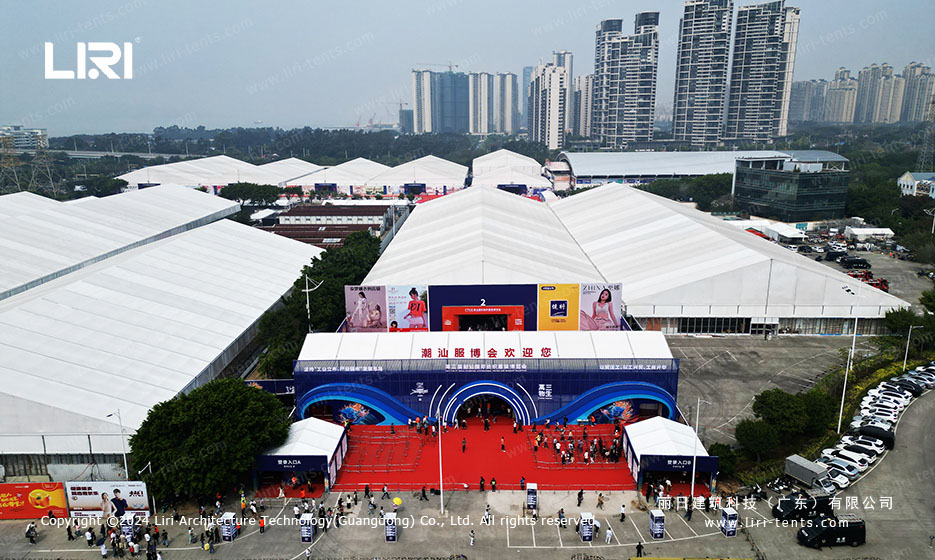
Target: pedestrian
point(103, 550)
point(481, 484)
point(367, 491)
point(89, 536)
point(514, 426)
point(623, 512)
point(308, 552)
point(262, 524)
point(385, 493)
point(463, 444)
point(639, 550)
point(71, 535)
point(493, 484)
point(600, 501)
point(31, 533)
point(165, 538)
point(355, 498)
point(522, 483)
point(296, 511)
point(688, 511)
point(191, 536)
point(610, 535)
point(472, 537)
point(423, 496)
point(502, 444)
point(580, 496)
point(707, 504)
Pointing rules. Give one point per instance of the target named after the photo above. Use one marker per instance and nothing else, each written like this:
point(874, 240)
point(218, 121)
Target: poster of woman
point(600, 307)
point(408, 308)
point(365, 308)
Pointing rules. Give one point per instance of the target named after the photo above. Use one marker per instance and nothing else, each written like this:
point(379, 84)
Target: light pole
point(123, 443)
point(691, 493)
point(908, 338)
point(308, 308)
point(850, 357)
point(931, 212)
point(149, 467)
point(441, 486)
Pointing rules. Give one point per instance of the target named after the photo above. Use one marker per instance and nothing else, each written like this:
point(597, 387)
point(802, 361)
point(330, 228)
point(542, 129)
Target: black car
point(886, 436)
point(834, 255)
point(914, 388)
point(843, 529)
point(866, 451)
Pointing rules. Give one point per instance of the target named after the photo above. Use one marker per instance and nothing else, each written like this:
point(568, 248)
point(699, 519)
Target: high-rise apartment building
point(890, 104)
point(25, 138)
point(625, 81)
point(807, 101)
point(566, 60)
point(841, 98)
point(761, 72)
point(701, 71)
point(582, 102)
point(869, 88)
point(440, 101)
point(524, 93)
point(920, 86)
point(481, 102)
point(506, 97)
point(547, 89)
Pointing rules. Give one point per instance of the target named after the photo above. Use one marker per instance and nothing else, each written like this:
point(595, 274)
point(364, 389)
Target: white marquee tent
point(505, 159)
point(218, 171)
point(345, 176)
point(438, 176)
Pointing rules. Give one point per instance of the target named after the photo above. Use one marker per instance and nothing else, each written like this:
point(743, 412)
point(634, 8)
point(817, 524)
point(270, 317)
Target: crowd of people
point(570, 446)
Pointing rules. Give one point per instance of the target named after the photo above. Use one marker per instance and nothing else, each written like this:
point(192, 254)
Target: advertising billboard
point(558, 307)
point(105, 499)
point(365, 308)
point(483, 318)
point(408, 308)
point(31, 500)
point(512, 296)
point(600, 307)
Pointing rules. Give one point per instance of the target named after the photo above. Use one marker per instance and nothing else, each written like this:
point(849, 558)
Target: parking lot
point(902, 276)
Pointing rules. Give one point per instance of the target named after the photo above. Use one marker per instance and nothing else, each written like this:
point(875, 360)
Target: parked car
point(838, 478)
point(804, 249)
point(818, 249)
point(849, 470)
point(865, 441)
point(843, 529)
point(912, 388)
point(870, 454)
point(860, 422)
point(880, 414)
point(897, 394)
point(888, 437)
point(857, 461)
point(882, 400)
point(924, 381)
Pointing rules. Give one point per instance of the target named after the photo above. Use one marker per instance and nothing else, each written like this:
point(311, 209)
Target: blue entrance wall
point(537, 389)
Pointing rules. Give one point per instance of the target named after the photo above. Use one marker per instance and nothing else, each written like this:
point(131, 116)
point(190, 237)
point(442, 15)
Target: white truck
point(807, 472)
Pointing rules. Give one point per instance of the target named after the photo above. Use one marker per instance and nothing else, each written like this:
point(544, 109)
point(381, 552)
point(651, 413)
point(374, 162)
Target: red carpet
point(407, 461)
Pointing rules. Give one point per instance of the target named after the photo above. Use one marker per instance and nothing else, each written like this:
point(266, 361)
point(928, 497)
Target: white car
point(861, 421)
point(879, 403)
point(838, 478)
point(843, 467)
point(865, 441)
point(900, 397)
point(886, 401)
point(880, 414)
point(857, 461)
point(818, 249)
point(868, 454)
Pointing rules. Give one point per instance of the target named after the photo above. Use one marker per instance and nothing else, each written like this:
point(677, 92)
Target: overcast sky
point(290, 64)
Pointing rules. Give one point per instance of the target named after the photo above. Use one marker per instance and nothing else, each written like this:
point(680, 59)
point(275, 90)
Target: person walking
point(623, 512)
point(580, 496)
point(639, 550)
point(493, 484)
point(610, 535)
point(423, 496)
point(367, 491)
point(262, 525)
point(385, 493)
point(296, 511)
point(502, 444)
point(463, 444)
point(89, 536)
point(689, 509)
point(308, 552)
point(471, 536)
point(600, 501)
point(481, 484)
point(522, 483)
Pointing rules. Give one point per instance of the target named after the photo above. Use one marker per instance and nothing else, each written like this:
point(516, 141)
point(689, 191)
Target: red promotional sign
point(32, 500)
point(512, 317)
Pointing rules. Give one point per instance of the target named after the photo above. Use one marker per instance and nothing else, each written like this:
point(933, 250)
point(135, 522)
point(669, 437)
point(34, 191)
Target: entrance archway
point(491, 388)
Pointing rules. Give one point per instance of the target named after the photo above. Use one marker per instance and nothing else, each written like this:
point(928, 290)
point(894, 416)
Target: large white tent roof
point(482, 236)
point(311, 436)
point(409, 345)
point(134, 328)
point(510, 176)
point(661, 436)
point(629, 164)
point(350, 173)
point(429, 170)
point(673, 260)
point(217, 171)
point(41, 238)
point(505, 159)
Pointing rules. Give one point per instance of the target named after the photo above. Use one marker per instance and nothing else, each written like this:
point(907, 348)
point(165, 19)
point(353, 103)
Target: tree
point(819, 411)
point(204, 441)
point(756, 437)
point(927, 299)
point(783, 411)
point(726, 458)
point(259, 195)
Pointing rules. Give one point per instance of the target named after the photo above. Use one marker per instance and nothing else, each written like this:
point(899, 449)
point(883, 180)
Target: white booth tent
point(505, 159)
point(437, 175)
point(865, 233)
point(132, 327)
point(283, 169)
point(348, 178)
point(217, 171)
point(312, 445)
point(659, 444)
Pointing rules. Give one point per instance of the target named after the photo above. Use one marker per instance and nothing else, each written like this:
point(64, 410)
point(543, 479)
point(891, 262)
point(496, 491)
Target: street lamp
point(123, 443)
point(908, 338)
point(149, 467)
point(931, 212)
point(691, 493)
point(308, 308)
point(850, 357)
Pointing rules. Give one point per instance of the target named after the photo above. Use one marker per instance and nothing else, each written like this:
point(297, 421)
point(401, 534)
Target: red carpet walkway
point(407, 461)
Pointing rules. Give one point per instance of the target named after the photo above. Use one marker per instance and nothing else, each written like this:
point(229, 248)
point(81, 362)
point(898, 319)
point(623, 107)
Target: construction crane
point(451, 66)
point(401, 103)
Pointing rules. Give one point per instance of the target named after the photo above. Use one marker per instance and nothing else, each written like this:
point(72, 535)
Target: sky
point(314, 63)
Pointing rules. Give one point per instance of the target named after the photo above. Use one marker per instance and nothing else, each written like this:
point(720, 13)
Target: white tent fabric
point(41, 238)
point(311, 436)
point(431, 171)
point(218, 171)
point(658, 164)
point(673, 260)
point(345, 176)
point(661, 436)
point(408, 346)
point(510, 176)
point(505, 159)
point(482, 236)
point(135, 327)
